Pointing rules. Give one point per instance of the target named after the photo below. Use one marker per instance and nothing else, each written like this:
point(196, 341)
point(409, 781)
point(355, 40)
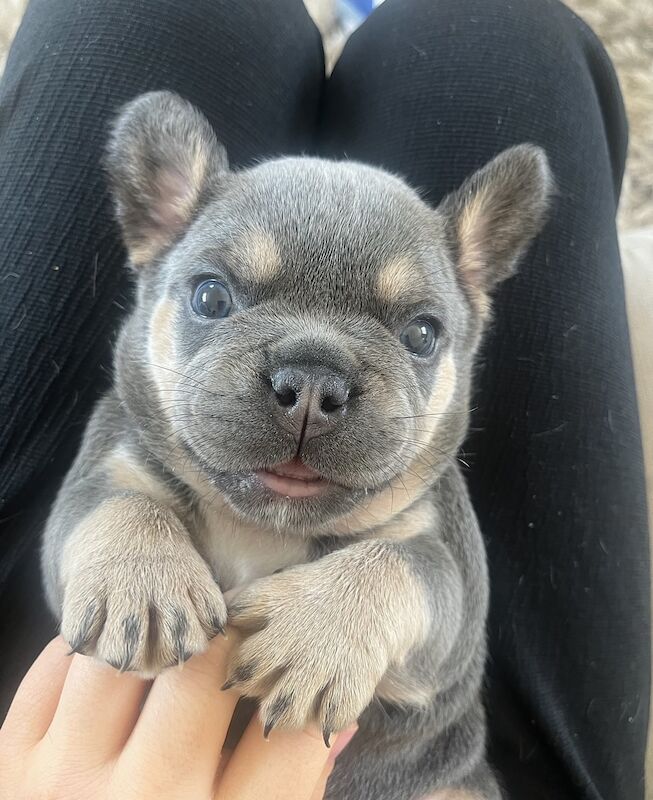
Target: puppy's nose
point(309, 401)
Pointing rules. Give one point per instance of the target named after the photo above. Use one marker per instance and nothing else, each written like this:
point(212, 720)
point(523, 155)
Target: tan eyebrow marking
point(395, 279)
point(259, 256)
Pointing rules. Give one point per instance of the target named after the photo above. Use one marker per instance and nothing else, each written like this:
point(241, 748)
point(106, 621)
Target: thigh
point(432, 90)
point(254, 68)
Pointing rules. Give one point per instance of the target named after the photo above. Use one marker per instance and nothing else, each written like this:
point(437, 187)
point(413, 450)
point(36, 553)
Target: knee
point(149, 28)
point(532, 34)
point(225, 56)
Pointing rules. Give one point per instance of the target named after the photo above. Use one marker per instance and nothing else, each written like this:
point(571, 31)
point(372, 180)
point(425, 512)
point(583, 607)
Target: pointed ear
point(163, 159)
point(493, 217)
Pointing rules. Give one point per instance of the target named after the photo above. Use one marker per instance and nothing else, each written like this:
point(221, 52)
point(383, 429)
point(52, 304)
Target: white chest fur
point(239, 553)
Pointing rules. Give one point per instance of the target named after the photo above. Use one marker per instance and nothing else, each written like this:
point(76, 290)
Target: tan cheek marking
point(161, 351)
point(125, 473)
point(404, 490)
point(260, 255)
point(395, 279)
point(453, 794)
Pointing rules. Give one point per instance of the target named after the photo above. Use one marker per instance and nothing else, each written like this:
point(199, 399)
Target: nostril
point(286, 396)
point(286, 386)
point(329, 405)
point(334, 400)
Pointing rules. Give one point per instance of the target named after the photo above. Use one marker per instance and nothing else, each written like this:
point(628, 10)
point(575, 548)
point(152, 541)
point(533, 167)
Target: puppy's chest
point(239, 553)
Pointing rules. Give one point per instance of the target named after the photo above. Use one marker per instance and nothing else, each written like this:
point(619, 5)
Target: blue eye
point(211, 299)
point(421, 336)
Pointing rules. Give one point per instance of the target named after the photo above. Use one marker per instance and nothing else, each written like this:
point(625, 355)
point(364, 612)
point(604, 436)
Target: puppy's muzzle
point(308, 401)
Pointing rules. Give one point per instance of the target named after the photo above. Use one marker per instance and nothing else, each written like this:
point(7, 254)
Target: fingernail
point(341, 742)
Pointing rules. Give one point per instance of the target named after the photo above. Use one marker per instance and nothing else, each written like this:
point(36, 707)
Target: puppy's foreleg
point(324, 634)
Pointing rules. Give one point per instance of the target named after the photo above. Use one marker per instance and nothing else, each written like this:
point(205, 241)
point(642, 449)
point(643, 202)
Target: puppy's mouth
point(294, 479)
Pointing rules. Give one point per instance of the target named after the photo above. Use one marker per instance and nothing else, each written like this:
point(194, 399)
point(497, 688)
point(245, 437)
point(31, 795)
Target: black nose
point(309, 401)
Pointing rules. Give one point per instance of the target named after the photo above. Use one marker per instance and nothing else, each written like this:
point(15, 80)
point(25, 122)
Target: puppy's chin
point(296, 506)
point(284, 492)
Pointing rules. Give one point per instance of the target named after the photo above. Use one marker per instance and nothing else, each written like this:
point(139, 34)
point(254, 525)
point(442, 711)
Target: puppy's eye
point(421, 336)
point(211, 299)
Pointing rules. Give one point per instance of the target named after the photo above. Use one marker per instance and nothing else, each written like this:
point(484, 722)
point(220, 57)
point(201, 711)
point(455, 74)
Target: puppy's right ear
point(163, 159)
point(494, 216)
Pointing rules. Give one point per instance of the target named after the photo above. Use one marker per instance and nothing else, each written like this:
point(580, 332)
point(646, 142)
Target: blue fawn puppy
point(291, 389)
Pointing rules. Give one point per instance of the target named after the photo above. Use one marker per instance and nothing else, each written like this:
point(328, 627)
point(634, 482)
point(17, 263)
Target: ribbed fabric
point(430, 90)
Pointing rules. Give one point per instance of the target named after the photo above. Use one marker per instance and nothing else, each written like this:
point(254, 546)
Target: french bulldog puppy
point(291, 390)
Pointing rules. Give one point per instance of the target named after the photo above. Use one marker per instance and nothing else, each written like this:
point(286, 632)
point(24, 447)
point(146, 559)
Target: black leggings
point(430, 89)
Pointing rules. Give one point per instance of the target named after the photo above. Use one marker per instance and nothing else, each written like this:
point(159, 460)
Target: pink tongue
point(295, 469)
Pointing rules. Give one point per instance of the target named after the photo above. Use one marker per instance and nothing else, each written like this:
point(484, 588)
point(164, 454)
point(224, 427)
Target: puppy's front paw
point(145, 607)
point(307, 656)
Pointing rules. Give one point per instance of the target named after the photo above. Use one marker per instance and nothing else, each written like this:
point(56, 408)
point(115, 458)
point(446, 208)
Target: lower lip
point(292, 487)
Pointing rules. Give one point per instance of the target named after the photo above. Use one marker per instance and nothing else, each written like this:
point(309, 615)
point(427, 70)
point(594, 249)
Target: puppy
point(291, 390)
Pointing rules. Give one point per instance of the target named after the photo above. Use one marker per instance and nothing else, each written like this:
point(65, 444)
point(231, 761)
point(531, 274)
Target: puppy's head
point(305, 329)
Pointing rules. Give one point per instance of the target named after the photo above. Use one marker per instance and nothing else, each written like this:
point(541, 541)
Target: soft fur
point(367, 602)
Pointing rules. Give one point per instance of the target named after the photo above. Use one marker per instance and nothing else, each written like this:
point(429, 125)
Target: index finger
point(288, 766)
point(184, 722)
point(36, 699)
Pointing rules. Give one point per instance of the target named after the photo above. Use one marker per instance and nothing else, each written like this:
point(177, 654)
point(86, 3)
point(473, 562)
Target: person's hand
point(78, 729)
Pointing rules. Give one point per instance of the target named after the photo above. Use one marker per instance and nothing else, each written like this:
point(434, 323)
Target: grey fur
point(370, 601)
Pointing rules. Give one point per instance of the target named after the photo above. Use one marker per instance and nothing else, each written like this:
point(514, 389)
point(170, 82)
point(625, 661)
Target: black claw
point(326, 735)
point(179, 633)
point(239, 675)
point(244, 673)
point(277, 710)
point(80, 645)
point(228, 684)
point(218, 627)
point(131, 631)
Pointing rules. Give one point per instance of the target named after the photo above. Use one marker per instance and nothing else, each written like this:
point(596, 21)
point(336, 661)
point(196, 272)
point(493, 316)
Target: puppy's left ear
point(494, 215)
point(163, 159)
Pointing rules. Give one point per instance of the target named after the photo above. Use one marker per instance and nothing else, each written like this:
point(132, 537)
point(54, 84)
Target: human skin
point(79, 729)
